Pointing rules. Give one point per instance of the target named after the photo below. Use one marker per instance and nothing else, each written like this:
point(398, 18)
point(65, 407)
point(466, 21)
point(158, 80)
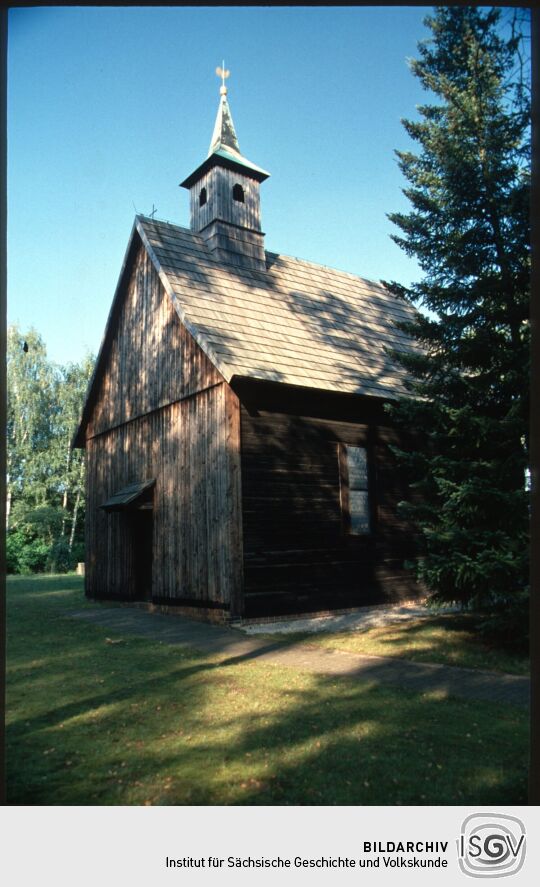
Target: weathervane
point(223, 73)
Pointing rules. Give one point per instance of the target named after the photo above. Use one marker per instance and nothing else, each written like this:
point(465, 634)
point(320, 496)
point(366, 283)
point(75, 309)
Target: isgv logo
point(491, 845)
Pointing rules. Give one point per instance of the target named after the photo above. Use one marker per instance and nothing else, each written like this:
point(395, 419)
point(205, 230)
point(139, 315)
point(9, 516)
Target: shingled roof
point(297, 322)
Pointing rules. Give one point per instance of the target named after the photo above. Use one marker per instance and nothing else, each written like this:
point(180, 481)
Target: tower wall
point(237, 246)
point(220, 204)
point(230, 226)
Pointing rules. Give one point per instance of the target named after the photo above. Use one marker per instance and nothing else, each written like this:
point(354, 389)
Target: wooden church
point(238, 451)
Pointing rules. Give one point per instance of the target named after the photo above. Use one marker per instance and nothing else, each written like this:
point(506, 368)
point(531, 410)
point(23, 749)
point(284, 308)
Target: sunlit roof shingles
point(299, 323)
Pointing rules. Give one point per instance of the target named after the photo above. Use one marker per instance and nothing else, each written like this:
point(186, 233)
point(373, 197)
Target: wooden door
point(142, 536)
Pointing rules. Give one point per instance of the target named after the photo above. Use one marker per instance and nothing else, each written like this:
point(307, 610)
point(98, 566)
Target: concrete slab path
point(235, 647)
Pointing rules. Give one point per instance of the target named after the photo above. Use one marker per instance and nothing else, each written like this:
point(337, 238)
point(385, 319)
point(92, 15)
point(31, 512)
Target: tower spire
point(224, 189)
point(224, 134)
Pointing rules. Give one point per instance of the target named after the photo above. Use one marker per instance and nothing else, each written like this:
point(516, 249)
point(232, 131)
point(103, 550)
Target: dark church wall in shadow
point(298, 553)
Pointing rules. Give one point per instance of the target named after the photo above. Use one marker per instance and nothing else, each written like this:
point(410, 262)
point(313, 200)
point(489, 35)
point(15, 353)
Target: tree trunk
point(64, 506)
point(65, 497)
point(76, 507)
point(74, 521)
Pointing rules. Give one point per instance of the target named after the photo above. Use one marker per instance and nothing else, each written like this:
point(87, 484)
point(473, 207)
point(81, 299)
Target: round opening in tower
point(238, 193)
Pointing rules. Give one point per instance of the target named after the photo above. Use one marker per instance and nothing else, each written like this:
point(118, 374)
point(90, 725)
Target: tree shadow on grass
point(169, 726)
point(97, 718)
point(345, 742)
point(455, 638)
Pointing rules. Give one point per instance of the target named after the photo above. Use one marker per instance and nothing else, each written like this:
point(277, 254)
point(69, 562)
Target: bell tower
point(224, 195)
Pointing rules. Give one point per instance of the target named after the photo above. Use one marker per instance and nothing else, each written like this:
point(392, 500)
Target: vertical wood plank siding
point(246, 504)
point(297, 553)
point(163, 411)
point(152, 359)
point(219, 184)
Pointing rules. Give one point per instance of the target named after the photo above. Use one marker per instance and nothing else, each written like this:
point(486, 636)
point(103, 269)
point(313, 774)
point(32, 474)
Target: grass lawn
point(94, 718)
point(452, 639)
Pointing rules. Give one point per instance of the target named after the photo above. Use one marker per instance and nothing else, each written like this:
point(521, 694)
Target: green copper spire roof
point(224, 135)
point(224, 143)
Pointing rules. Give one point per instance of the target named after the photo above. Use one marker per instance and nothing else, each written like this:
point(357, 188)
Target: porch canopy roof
point(129, 496)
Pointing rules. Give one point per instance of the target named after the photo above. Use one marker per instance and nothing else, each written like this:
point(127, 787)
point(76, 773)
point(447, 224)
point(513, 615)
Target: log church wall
point(298, 554)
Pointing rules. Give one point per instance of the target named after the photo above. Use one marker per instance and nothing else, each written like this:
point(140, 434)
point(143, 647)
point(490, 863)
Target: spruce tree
point(468, 228)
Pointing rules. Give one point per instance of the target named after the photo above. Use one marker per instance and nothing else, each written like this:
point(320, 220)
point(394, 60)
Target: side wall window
point(202, 197)
point(354, 488)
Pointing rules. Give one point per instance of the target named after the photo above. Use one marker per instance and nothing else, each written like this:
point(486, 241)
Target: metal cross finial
point(154, 211)
point(223, 73)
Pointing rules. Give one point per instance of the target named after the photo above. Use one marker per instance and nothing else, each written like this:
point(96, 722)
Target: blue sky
point(110, 108)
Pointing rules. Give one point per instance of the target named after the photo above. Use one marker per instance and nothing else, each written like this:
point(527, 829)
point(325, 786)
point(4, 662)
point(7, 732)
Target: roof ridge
point(269, 253)
point(151, 219)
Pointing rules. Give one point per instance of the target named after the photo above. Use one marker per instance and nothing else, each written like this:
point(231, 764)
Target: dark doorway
point(142, 527)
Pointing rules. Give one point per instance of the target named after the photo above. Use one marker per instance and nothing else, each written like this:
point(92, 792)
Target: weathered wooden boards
point(187, 448)
point(298, 554)
point(151, 360)
point(163, 411)
point(247, 513)
point(219, 184)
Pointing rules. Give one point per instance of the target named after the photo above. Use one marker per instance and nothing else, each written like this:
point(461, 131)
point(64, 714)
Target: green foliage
point(16, 541)
point(37, 522)
point(45, 477)
point(32, 557)
point(77, 553)
point(469, 230)
point(31, 408)
point(60, 558)
point(33, 554)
